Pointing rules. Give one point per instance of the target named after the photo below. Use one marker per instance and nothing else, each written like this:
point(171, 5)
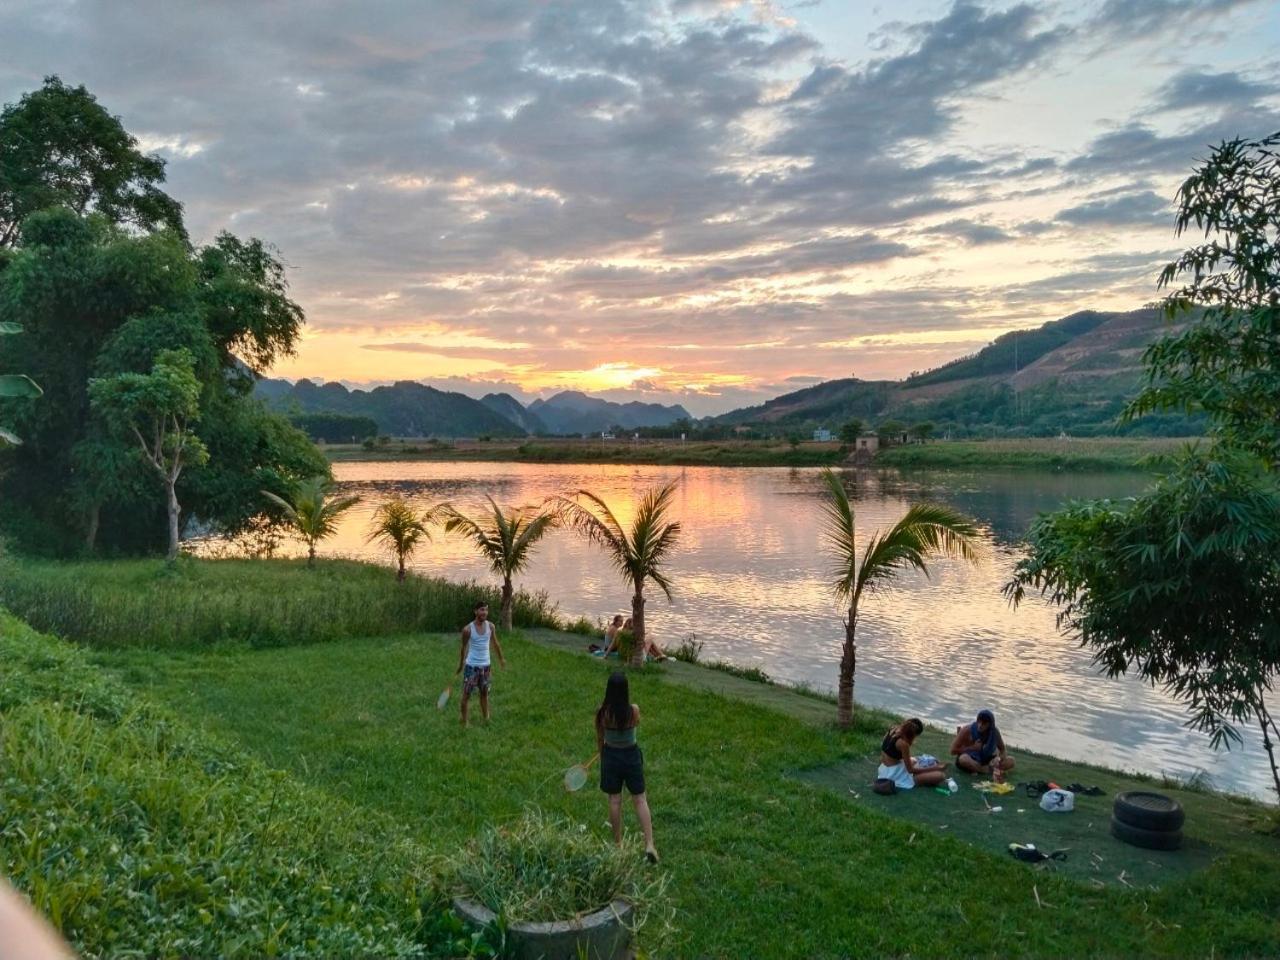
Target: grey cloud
point(804, 379)
point(1130, 209)
point(1193, 88)
point(1143, 19)
point(970, 232)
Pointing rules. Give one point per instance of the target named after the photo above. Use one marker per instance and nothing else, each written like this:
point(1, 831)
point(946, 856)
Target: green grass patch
point(137, 837)
point(759, 862)
point(1097, 454)
point(1216, 824)
point(259, 603)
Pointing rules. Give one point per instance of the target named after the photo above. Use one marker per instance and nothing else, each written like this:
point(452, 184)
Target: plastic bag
point(1058, 801)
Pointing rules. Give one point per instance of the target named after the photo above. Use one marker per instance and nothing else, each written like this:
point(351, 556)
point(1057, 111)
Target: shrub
point(544, 868)
point(137, 837)
point(264, 603)
point(689, 650)
point(754, 674)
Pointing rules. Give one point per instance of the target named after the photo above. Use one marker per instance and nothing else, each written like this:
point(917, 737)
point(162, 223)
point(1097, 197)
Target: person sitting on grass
point(610, 637)
point(979, 748)
point(897, 764)
point(621, 761)
point(473, 659)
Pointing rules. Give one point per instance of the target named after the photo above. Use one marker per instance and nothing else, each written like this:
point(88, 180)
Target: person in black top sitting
point(897, 764)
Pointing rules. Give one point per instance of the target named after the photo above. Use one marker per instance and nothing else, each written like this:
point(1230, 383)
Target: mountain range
point(1073, 375)
point(411, 409)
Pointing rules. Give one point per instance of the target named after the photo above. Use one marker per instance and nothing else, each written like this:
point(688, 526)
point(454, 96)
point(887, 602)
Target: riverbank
point(1032, 453)
point(702, 453)
point(733, 767)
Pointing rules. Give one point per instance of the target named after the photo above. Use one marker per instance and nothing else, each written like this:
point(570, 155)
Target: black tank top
point(890, 745)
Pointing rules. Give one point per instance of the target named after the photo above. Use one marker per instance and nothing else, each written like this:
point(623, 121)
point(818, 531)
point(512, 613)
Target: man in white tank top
point(473, 658)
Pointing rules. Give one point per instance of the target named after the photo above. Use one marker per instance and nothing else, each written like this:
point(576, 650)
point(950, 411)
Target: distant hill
point(505, 405)
point(404, 409)
point(573, 412)
point(1074, 375)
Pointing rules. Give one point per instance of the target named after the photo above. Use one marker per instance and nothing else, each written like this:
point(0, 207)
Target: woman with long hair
point(897, 764)
point(621, 761)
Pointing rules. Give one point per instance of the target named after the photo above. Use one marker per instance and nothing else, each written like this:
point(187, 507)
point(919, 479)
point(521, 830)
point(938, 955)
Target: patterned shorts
point(474, 678)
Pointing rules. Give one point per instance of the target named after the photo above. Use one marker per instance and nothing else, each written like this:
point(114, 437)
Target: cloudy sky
point(699, 201)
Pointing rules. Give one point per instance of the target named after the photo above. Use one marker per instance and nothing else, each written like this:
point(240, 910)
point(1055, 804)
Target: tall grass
point(1032, 453)
point(137, 837)
point(261, 603)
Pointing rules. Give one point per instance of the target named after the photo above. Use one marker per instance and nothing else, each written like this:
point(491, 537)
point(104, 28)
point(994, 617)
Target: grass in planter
point(259, 602)
point(760, 864)
point(542, 868)
point(137, 837)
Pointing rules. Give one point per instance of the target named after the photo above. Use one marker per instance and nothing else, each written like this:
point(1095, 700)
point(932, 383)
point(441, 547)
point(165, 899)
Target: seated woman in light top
point(897, 764)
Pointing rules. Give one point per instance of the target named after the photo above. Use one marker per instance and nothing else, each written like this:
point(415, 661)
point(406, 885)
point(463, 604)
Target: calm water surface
point(750, 584)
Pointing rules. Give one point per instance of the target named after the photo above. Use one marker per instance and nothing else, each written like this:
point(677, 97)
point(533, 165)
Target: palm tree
point(505, 539)
point(311, 511)
point(398, 526)
point(927, 529)
point(639, 554)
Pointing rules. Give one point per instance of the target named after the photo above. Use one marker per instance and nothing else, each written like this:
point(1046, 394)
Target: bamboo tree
point(312, 513)
point(927, 529)
point(397, 525)
point(640, 554)
point(505, 540)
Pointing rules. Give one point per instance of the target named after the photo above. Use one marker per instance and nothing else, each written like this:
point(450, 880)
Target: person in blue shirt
point(979, 748)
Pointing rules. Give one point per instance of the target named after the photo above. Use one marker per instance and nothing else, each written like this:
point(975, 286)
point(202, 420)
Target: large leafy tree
point(98, 301)
point(60, 148)
point(505, 539)
point(1180, 586)
point(640, 552)
point(926, 530)
point(1226, 362)
point(157, 410)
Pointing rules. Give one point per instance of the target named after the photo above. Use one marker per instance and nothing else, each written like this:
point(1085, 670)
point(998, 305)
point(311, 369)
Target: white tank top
point(478, 649)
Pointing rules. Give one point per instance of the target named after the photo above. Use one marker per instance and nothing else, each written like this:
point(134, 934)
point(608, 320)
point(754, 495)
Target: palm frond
point(840, 535)
point(927, 529)
point(603, 530)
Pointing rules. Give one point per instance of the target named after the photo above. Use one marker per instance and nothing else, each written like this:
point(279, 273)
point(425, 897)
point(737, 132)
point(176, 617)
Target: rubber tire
point(1147, 839)
point(1144, 818)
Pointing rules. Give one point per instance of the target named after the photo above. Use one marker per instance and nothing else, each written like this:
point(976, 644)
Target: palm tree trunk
point(637, 627)
point(171, 497)
point(311, 553)
point(508, 603)
point(848, 664)
point(400, 574)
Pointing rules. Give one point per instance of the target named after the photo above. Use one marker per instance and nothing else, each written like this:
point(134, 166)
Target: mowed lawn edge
point(760, 863)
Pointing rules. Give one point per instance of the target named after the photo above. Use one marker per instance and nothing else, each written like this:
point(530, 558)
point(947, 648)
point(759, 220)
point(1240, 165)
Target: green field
point(767, 849)
point(1032, 453)
point(1029, 453)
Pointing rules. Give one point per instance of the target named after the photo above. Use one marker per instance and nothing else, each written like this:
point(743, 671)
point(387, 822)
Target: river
point(750, 583)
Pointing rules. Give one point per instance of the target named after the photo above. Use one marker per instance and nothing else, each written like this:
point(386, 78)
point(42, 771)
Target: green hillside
point(1073, 375)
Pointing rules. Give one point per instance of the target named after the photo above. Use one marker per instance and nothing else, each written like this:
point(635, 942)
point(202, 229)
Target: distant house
point(606, 435)
point(822, 436)
point(869, 442)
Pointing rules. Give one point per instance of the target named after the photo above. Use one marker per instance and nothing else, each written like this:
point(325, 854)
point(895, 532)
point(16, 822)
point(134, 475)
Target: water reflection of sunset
point(750, 582)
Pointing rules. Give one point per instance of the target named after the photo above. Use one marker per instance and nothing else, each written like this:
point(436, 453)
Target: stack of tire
point(1148, 820)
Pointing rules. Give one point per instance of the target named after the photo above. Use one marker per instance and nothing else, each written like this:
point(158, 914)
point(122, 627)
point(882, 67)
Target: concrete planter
point(602, 935)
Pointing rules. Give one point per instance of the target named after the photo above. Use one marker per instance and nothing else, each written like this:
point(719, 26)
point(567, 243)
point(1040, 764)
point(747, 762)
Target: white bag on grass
point(1058, 801)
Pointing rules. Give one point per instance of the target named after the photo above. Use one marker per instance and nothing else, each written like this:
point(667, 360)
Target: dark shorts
point(620, 766)
point(475, 678)
point(977, 757)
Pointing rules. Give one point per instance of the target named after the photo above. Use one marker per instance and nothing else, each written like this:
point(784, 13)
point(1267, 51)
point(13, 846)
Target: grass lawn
point(763, 861)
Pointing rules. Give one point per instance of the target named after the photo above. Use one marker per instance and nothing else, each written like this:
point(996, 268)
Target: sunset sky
point(699, 201)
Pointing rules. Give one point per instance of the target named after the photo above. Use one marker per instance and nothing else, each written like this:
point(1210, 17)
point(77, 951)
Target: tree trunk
point(637, 628)
point(400, 573)
point(508, 603)
point(311, 553)
point(172, 499)
point(848, 664)
point(91, 535)
point(1265, 721)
